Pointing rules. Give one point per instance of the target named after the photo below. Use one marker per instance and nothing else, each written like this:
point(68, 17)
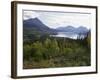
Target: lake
point(68, 35)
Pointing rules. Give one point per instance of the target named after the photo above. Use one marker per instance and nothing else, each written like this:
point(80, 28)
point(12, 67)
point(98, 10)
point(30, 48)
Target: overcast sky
point(60, 19)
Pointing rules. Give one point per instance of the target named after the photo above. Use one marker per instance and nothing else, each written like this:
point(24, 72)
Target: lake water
point(68, 35)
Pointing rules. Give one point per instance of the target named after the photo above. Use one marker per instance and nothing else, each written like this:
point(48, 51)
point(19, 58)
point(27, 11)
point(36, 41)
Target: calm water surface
point(67, 35)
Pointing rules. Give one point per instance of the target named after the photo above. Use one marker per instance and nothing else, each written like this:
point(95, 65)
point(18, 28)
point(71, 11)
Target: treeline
point(56, 52)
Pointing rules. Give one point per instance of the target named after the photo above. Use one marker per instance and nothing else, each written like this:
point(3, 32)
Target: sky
point(60, 19)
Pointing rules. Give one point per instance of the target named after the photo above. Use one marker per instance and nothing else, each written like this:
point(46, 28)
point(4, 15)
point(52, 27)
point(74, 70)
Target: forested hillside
point(48, 51)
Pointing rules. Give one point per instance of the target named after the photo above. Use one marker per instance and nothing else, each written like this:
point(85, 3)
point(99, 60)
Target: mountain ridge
point(38, 25)
point(80, 29)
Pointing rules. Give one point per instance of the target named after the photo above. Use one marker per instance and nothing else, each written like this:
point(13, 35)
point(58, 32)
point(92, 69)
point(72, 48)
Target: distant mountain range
point(38, 25)
point(80, 29)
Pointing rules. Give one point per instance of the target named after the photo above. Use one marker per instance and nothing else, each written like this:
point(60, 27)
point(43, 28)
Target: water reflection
point(69, 35)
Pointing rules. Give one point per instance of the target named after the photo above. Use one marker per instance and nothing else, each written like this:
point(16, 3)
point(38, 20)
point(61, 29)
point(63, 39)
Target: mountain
point(36, 25)
point(72, 29)
point(82, 29)
point(66, 29)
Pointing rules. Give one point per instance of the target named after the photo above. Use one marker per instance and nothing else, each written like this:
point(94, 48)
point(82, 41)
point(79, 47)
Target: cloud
point(30, 14)
point(54, 19)
point(60, 19)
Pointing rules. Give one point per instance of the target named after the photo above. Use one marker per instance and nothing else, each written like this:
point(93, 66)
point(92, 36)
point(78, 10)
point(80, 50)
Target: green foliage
point(89, 39)
point(46, 51)
point(27, 51)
